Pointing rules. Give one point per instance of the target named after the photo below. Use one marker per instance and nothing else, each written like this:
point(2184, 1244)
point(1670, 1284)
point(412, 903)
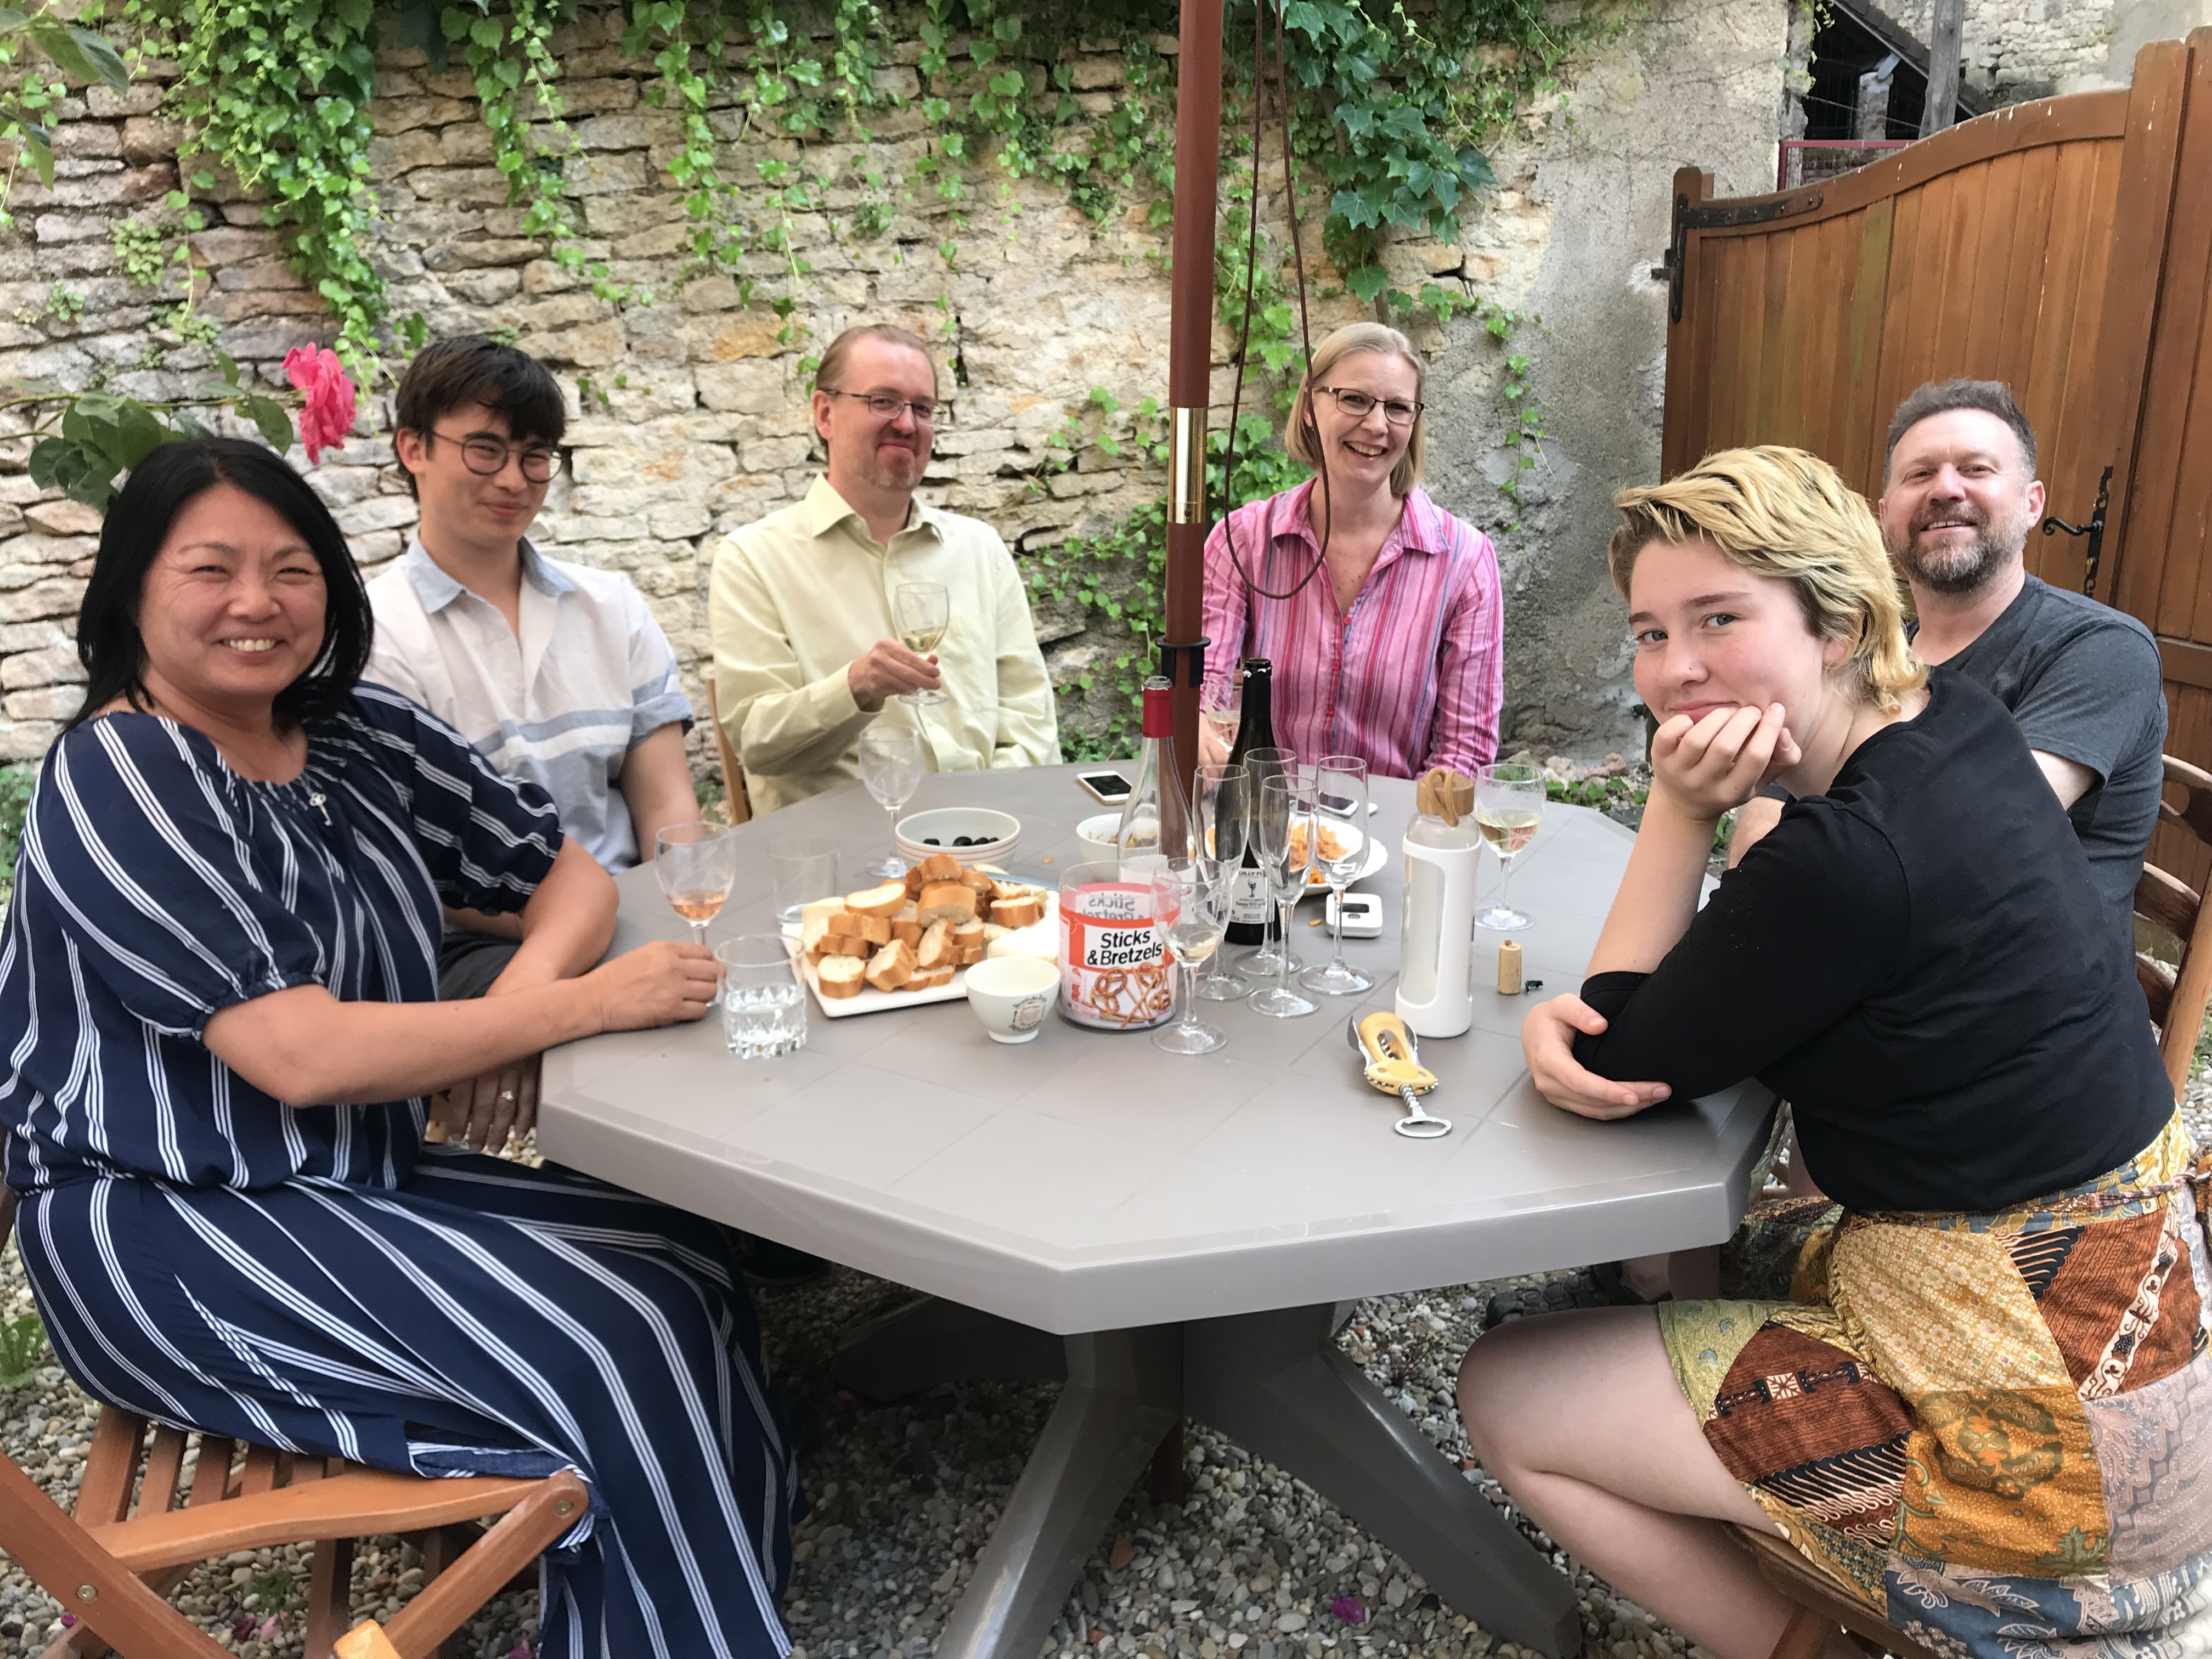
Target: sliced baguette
point(978, 883)
point(946, 901)
point(873, 930)
point(840, 976)
point(811, 932)
point(970, 954)
point(885, 901)
point(908, 928)
point(1010, 890)
point(893, 967)
point(1017, 913)
point(931, 980)
point(936, 948)
point(937, 866)
point(972, 932)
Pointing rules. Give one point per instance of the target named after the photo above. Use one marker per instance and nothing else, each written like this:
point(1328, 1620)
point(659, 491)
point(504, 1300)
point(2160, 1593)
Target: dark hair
point(108, 642)
point(1942, 396)
point(477, 370)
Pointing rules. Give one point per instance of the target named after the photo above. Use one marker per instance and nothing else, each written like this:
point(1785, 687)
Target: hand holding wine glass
point(892, 759)
point(922, 613)
point(696, 865)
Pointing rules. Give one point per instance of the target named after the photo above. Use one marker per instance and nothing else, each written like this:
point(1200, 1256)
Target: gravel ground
point(1253, 1564)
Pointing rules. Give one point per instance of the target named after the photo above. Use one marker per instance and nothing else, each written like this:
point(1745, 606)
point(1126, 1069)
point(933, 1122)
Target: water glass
point(1339, 824)
point(891, 762)
point(764, 1004)
point(1509, 804)
point(696, 865)
point(805, 868)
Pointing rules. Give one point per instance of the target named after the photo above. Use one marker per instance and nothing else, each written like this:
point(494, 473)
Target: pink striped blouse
point(1412, 677)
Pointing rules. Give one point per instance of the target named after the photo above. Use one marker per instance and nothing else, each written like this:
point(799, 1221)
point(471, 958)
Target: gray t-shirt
point(2082, 681)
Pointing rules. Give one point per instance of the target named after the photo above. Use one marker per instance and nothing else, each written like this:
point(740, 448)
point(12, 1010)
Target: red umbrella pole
point(1190, 339)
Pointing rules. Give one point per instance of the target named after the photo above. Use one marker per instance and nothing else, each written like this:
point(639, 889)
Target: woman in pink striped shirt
point(1394, 650)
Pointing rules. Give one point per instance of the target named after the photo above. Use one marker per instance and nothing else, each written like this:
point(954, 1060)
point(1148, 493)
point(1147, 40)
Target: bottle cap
point(1160, 711)
point(1509, 969)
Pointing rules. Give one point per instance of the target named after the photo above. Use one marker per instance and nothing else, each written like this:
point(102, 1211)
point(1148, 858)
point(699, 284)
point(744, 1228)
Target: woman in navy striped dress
point(218, 1001)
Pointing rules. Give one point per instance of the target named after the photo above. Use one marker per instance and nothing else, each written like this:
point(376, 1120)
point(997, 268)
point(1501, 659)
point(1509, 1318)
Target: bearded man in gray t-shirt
point(1960, 497)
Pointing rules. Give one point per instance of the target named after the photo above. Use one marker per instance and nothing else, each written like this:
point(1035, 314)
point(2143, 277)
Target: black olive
point(963, 841)
point(931, 840)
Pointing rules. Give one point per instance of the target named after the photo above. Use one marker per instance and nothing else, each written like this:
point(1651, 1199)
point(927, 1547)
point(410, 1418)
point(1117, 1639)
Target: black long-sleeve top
point(1919, 963)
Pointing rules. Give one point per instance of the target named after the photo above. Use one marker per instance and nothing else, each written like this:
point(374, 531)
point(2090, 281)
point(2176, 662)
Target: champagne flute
point(922, 612)
point(1272, 958)
point(696, 865)
point(1340, 810)
point(891, 762)
point(1221, 827)
point(1189, 913)
point(1284, 838)
point(1509, 804)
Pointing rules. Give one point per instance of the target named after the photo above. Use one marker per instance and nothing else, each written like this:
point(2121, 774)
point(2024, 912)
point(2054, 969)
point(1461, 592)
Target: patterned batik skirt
point(1995, 1431)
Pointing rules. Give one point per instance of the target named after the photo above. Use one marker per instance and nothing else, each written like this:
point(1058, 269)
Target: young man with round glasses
point(806, 653)
point(556, 673)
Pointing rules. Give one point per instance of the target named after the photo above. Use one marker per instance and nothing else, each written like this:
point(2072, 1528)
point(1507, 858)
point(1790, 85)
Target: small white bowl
point(912, 833)
point(1098, 829)
point(1012, 995)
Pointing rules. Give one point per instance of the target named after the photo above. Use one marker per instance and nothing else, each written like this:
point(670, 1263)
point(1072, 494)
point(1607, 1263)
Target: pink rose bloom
point(327, 414)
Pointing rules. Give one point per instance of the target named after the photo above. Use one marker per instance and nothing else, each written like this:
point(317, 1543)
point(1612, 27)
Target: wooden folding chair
point(112, 1564)
point(1822, 1608)
point(734, 775)
point(2178, 996)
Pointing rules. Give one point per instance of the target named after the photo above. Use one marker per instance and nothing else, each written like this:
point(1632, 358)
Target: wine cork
point(1509, 969)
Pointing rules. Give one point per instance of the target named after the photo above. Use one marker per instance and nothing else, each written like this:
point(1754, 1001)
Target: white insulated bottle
point(1436, 989)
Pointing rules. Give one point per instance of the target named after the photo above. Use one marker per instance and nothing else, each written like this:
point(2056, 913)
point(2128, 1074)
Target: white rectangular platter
point(872, 1001)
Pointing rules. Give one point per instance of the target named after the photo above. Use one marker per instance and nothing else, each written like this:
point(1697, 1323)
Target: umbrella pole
point(1190, 341)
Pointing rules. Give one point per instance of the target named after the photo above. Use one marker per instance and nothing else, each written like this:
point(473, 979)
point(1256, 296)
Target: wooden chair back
point(734, 775)
point(1822, 1607)
point(2177, 995)
point(114, 1560)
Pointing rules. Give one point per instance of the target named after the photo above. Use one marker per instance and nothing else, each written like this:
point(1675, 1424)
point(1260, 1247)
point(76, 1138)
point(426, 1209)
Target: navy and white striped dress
point(315, 1277)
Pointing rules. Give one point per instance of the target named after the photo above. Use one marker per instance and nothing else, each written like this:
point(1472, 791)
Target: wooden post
point(1190, 351)
point(1941, 107)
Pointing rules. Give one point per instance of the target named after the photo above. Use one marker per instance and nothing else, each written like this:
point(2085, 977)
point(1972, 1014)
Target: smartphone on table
point(1107, 788)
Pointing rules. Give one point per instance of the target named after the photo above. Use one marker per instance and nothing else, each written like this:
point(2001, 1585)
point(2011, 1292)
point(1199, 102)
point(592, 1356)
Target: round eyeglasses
point(488, 457)
point(1359, 404)
point(885, 407)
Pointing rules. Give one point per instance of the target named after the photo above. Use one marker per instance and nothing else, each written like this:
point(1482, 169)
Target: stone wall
point(689, 414)
point(2014, 50)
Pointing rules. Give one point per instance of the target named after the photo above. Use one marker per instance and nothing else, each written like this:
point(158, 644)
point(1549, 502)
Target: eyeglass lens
point(1358, 404)
point(487, 456)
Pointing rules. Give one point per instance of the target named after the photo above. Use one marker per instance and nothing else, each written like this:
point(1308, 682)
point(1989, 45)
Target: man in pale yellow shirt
point(805, 652)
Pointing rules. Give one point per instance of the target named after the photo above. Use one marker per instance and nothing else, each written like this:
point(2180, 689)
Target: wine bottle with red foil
point(1155, 818)
point(1252, 919)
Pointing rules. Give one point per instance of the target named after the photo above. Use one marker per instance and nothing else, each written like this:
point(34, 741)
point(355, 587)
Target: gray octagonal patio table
point(1171, 1234)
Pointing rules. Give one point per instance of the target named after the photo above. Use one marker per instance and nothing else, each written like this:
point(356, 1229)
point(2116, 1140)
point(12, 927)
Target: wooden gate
point(2064, 246)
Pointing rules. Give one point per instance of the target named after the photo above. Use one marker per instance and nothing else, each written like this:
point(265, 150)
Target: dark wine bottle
point(1252, 919)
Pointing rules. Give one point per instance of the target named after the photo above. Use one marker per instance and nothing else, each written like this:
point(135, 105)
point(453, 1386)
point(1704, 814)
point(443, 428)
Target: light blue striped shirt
point(590, 677)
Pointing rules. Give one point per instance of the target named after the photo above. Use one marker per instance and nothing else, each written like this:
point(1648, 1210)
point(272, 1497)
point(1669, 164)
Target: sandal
point(1599, 1285)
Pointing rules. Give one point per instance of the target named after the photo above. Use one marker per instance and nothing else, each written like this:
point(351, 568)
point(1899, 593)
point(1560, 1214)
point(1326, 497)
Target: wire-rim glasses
point(1359, 404)
point(885, 407)
point(487, 456)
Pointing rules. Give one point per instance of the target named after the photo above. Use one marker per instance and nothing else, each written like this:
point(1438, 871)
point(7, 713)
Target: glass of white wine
point(1509, 804)
point(696, 865)
point(1189, 911)
point(922, 612)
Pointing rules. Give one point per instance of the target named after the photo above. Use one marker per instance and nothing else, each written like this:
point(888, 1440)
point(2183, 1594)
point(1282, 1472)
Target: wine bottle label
point(1249, 899)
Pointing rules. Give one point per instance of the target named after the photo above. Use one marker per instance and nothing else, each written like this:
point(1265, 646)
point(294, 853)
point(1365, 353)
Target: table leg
point(931, 1340)
point(1122, 1396)
point(1276, 1384)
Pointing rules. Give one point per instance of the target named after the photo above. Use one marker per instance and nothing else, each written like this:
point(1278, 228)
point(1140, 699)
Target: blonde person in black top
point(1981, 1403)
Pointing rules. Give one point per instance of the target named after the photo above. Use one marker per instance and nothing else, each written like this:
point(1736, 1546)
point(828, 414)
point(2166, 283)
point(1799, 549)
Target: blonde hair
point(1782, 513)
point(1302, 439)
point(832, 367)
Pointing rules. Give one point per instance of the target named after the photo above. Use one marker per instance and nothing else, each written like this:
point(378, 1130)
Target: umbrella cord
point(1251, 270)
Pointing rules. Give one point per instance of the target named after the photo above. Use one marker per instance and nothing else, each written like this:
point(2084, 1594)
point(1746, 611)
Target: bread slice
point(840, 976)
point(812, 932)
point(972, 932)
point(893, 967)
point(872, 929)
point(970, 954)
point(885, 901)
point(937, 866)
point(993, 932)
point(978, 883)
point(1010, 890)
point(949, 900)
point(1017, 913)
point(931, 980)
point(936, 948)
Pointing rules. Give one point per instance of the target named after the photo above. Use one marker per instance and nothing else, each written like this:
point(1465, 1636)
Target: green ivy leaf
point(1367, 281)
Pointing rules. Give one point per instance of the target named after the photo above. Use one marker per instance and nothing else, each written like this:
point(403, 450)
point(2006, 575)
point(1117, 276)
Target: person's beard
point(892, 468)
point(1953, 569)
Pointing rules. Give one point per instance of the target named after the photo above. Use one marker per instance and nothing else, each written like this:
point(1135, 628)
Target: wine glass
point(891, 760)
point(1190, 912)
point(1339, 805)
point(1272, 957)
point(922, 612)
point(1283, 839)
point(1221, 706)
point(696, 865)
point(1221, 828)
point(1509, 804)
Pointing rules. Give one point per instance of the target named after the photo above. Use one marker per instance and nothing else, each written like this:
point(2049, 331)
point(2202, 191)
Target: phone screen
point(1107, 786)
